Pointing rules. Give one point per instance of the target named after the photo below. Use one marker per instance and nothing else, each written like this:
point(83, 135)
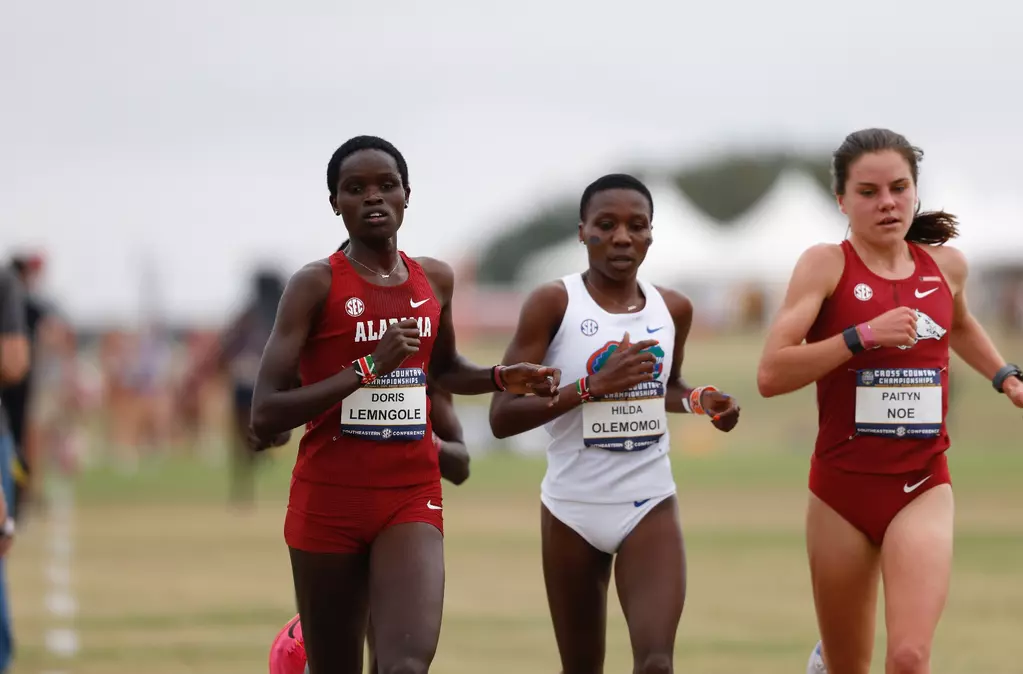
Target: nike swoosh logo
point(419, 303)
point(906, 488)
point(639, 503)
point(653, 330)
point(922, 295)
point(433, 507)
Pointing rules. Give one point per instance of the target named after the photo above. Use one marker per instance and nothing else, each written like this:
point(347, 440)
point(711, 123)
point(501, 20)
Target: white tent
point(769, 238)
point(550, 263)
point(686, 246)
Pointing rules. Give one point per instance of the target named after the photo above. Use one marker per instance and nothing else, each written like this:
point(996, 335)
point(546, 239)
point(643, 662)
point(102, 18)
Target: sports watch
point(852, 339)
point(1006, 371)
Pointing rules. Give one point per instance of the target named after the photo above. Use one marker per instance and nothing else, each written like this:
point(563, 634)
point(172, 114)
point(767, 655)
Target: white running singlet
point(612, 450)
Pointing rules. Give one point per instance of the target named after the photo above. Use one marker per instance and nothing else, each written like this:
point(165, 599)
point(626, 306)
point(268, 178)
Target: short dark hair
point(931, 227)
point(614, 181)
point(353, 145)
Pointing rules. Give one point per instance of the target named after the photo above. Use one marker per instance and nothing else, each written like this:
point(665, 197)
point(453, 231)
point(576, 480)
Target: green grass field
point(168, 579)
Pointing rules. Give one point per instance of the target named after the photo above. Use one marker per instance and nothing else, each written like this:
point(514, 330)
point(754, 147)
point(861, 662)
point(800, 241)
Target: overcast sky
point(197, 132)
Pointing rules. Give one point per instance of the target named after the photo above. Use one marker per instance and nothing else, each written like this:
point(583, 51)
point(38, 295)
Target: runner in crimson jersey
point(364, 328)
point(287, 654)
point(879, 313)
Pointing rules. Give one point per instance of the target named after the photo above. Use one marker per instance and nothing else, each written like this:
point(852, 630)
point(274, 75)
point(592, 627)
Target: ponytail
point(933, 228)
point(343, 245)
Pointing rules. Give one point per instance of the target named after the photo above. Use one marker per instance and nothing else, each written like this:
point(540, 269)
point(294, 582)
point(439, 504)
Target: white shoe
point(816, 663)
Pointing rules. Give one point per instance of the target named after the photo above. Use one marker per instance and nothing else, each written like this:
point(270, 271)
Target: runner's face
point(880, 197)
point(617, 232)
point(370, 197)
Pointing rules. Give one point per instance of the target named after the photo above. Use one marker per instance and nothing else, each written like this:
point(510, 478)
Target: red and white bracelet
point(692, 403)
point(366, 368)
point(583, 388)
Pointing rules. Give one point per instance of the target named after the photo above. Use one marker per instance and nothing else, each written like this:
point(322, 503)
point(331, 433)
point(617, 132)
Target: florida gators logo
point(600, 356)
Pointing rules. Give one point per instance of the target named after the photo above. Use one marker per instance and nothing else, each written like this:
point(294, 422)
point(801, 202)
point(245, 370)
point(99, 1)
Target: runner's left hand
point(722, 409)
point(526, 378)
point(1014, 389)
point(257, 445)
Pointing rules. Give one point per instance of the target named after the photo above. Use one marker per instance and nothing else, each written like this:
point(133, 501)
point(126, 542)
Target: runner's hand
point(529, 378)
point(626, 367)
point(257, 445)
point(1014, 389)
point(400, 341)
point(895, 328)
point(722, 409)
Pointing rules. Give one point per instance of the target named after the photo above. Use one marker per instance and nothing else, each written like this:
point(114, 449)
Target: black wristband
point(852, 339)
point(1006, 371)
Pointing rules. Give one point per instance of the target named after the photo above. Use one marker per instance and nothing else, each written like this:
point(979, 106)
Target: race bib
point(391, 408)
point(899, 402)
point(626, 422)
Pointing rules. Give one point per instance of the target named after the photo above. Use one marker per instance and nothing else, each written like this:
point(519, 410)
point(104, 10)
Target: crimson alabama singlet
point(380, 435)
point(883, 411)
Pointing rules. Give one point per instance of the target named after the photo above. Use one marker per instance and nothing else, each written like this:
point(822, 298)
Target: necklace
point(374, 271)
point(629, 307)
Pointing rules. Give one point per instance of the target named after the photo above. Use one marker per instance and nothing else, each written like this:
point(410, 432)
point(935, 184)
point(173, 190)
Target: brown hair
point(930, 227)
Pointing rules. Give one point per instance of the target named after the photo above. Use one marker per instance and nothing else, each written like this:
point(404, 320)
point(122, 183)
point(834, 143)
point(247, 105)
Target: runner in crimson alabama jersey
point(287, 653)
point(608, 498)
point(878, 313)
point(363, 328)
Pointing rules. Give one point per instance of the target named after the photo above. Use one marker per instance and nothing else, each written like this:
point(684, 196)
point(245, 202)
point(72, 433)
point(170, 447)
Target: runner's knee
point(906, 657)
point(654, 663)
point(406, 665)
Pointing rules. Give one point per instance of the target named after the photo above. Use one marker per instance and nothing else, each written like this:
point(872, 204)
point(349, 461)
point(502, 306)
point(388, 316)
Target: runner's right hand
point(627, 366)
point(895, 328)
point(400, 341)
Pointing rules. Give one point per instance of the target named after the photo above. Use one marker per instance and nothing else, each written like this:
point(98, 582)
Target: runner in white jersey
point(609, 490)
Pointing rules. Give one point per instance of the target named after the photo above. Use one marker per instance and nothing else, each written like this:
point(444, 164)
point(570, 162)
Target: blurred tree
point(501, 259)
point(728, 186)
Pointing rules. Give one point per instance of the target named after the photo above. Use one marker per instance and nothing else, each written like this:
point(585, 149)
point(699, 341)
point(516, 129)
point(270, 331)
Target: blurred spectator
point(238, 352)
point(137, 370)
point(59, 397)
point(17, 398)
point(14, 363)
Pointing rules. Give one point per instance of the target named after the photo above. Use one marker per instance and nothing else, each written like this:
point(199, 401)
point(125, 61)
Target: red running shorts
point(331, 519)
point(870, 501)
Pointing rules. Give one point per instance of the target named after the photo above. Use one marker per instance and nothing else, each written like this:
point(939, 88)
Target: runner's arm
point(451, 370)
point(681, 310)
point(787, 364)
point(539, 320)
point(453, 454)
point(214, 359)
point(277, 406)
point(967, 336)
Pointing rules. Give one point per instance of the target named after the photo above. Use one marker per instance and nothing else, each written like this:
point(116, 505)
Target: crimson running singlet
point(380, 435)
point(883, 411)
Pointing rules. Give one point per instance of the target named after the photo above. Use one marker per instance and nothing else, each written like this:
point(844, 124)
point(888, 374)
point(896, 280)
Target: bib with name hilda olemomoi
point(899, 402)
point(628, 421)
point(391, 408)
